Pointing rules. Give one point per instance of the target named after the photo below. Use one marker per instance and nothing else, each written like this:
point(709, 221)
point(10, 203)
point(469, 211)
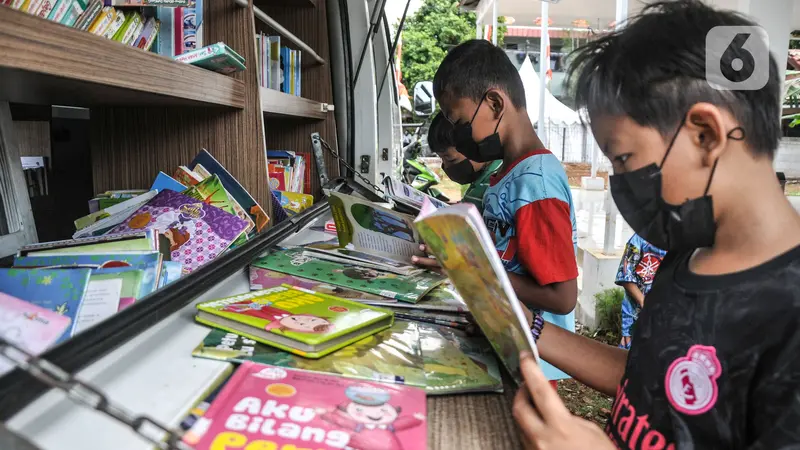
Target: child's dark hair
point(440, 134)
point(653, 71)
point(474, 67)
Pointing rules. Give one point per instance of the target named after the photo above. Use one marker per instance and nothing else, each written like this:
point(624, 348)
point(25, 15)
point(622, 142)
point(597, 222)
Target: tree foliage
point(429, 33)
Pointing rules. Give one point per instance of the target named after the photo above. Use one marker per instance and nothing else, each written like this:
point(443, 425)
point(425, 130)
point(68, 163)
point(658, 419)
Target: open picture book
point(407, 196)
point(458, 238)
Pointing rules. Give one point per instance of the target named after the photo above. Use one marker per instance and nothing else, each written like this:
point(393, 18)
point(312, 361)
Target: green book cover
point(392, 356)
point(131, 283)
point(296, 320)
point(400, 287)
point(130, 242)
point(211, 192)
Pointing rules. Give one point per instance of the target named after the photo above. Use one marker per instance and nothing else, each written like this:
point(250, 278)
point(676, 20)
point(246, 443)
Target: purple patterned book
point(197, 232)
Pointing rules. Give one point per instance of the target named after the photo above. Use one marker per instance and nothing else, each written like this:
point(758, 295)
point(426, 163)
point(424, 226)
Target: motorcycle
point(415, 172)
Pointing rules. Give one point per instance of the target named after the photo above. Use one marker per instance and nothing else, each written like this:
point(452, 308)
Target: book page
point(100, 302)
point(407, 195)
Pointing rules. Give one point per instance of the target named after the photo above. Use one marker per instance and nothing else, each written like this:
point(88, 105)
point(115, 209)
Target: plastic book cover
point(75, 9)
point(297, 316)
point(116, 24)
point(211, 192)
point(408, 196)
point(170, 271)
point(442, 298)
point(457, 363)
point(59, 11)
point(59, 290)
point(240, 212)
point(275, 62)
point(463, 246)
point(261, 278)
point(374, 229)
point(197, 232)
point(29, 326)
point(130, 283)
point(217, 57)
point(317, 411)
point(234, 188)
point(391, 356)
point(294, 202)
point(107, 218)
point(136, 241)
point(332, 252)
point(103, 20)
point(164, 181)
point(399, 287)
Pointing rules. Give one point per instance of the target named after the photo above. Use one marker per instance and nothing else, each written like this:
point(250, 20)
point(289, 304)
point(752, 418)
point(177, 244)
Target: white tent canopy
point(555, 111)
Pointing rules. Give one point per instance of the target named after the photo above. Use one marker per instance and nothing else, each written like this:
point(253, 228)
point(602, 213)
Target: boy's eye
point(622, 158)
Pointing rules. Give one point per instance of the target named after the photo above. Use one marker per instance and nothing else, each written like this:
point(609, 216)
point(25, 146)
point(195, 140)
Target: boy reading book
point(473, 176)
point(713, 363)
point(528, 205)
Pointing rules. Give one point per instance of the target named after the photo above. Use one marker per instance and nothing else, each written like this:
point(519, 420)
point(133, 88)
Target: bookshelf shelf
point(47, 63)
point(272, 23)
point(277, 104)
point(287, 3)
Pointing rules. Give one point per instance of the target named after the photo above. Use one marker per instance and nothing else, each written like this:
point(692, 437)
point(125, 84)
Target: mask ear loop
point(475, 114)
point(714, 168)
point(672, 142)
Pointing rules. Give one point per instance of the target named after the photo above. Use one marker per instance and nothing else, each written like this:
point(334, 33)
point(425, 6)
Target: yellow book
point(116, 24)
point(103, 21)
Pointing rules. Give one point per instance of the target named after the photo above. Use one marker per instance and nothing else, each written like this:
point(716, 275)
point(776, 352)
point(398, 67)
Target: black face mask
point(687, 226)
point(462, 172)
point(489, 149)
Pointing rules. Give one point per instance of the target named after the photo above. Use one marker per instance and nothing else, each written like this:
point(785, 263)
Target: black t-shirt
point(715, 361)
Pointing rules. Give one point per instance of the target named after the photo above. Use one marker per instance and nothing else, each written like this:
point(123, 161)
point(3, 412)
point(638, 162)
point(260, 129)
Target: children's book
point(275, 62)
point(136, 241)
point(317, 411)
point(165, 45)
point(442, 298)
point(447, 318)
point(373, 229)
point(261, 278)
point(207, 396)
point(407, 196)
point(164, 3)
point(92, 10)
point(458, 238)
point(457, 363)
point(334, 253)
point(217, 57)
point(125, 280)
point(170, 271)
point(186, 177)
point(234, 188)
point(102, 21)
point(100, 221)
point(197, 232)
point(116, 24)
point(399, 287)
point(211, 192)
point(60, 10)
point(391, 356)
point(74, 11)
point(46, 9)
point(240, 212)
point(164, 181)
point(296, 320)
point(294, 203)
point(28, 326)
point(61, 291)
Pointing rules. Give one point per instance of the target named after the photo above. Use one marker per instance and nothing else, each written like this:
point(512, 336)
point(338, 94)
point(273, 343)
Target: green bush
point(608, 305)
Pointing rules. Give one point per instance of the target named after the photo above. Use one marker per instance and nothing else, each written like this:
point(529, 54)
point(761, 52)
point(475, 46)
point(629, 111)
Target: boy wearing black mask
point(528, 205)
point(714, 359)
point(472, 175)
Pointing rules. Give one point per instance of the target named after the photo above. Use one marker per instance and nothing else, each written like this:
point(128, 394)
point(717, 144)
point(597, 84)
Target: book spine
point(103, 21)
point(166, 37)
point(202, 54)
point(299, 74)
point(148, 35)
point(125, 25)
point(116, 24)
point(33, 7)
point(134, 31)
point(275, 69)
point(178, 30)
point(292, 81)
point(17, 4)
point(88, 16)
point(46, 9)
point(73, 12)
point(198, 20)
point(189, 30)
point(60, 10)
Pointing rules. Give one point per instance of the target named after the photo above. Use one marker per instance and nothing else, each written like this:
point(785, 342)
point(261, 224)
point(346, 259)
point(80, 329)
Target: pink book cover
point(197, 232)
point(29, 326)
point(275, 408)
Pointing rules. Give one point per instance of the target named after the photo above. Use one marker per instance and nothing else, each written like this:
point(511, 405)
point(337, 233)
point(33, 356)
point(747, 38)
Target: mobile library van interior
point(240, 235)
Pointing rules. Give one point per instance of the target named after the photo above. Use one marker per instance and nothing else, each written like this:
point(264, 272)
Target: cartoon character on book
point(381, 222)
point(373, 422)
point(362, 273)
point(280, 319)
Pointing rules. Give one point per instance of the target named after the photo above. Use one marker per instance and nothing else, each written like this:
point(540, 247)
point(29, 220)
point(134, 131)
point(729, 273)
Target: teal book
point(59, 290)
point(406, 288)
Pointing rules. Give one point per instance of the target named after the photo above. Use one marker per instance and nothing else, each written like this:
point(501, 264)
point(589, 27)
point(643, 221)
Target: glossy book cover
point(404, 288)
point(297, 314)
point(261, 278)
point(197, 232)
point(275, 408)
point(391, 356)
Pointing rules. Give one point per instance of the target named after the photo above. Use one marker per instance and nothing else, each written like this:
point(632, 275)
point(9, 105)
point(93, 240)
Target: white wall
point(787, 160)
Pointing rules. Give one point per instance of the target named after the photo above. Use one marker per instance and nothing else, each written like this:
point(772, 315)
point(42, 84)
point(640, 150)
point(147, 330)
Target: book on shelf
point(104, 220)
point(239, 210)
point(390, 356)
point(294, 203)
point(197, 232)
point(217, 57)
point(103, 20)
point(275, 69)
point(325, 412)
point(192, 29)
point(458, 238)
point(287, 170)
point(115, 25)
point(296, 320)
point(293, 261)
point(261, 278)
point(148, 34)
point(160, 3)
point(31, 327)
point(164, 181)
point(372, 228)
point(93, 8)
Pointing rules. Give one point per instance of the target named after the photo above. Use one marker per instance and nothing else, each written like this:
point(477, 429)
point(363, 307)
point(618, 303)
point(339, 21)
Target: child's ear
point(496, 102)
point(708, 130)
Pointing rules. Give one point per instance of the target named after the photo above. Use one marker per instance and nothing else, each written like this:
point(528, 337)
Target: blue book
point(59, 290)
point(165, 45)
point(170, 271)
point(297, 73)
point(164, 181)
point(91, 260)
point(287, 73)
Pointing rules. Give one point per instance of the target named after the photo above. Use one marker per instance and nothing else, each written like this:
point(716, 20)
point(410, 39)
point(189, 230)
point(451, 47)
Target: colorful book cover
point(103, 20)
point(32, 7)
point(29, 326)
point(91, 12)
point(197, 232)
point(324, 412)
point(186, 177)
point(332, 252)
point(443, 298)
point(74, 11)
point(165, 45)
point(59, 10)
point(46, 9)
point(240, 212)
point(261, 278)
point(116, 24)
point(102, 221)
point(457, 363)
point(211, 192)
point(217, 57)
point(170, 271)
point(177, 30)
point(285, 70)
point(294, 202)
point(293, 73)
point(234, 188)
point(274, 62)
point(17, 4)
point(391, 356)
point(129, 21)
point(129, 39)
point(124, 283)
point(297, 320)
point(297, 73)
point(277, 178)
point(189, 18)
point(164, 181)
point(56, 290)
point(201, 407)
point(458, 238)
point(136, 241)
point(374, 229)
point(148, 35)
point(404, 288)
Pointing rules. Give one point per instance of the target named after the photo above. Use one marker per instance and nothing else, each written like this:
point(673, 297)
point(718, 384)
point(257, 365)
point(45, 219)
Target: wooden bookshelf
point(287, 3)
point(311, 56)
point(47, 63)
point(281, 105)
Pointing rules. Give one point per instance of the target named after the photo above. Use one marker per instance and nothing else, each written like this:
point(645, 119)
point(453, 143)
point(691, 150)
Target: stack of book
point(279, 67)
point(289, 180)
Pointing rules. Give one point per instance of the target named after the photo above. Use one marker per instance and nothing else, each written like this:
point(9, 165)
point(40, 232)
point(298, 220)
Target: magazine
point(374, 229)
point(334, 253)
point(460, 241)
point(261, 278)
point(442, 298)
point(407, 196)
